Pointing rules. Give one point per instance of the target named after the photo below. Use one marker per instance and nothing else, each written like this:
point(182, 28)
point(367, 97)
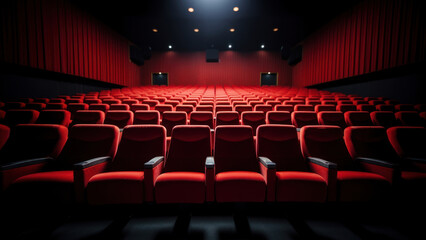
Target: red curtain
point(373, 36)
point(55, 35)
point(233, 68)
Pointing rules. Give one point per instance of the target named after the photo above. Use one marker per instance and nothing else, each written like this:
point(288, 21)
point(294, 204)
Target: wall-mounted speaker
point(285, 51)
point(136, 55)
point(212, 55)
point(295, 55)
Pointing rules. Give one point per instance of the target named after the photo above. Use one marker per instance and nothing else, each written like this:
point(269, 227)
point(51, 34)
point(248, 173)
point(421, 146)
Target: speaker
point(212, 55)
point(285, 51)
point(136, 55)
point(295, 55)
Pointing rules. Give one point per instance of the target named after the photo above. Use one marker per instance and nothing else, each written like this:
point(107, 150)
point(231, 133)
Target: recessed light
point(196, 30)
point(268, 73)
point(155, 30)
point(236, 9)
point(190, 10)
point(275, 29)
point(262, 46)
point(230, 46)
point(232, 30)
point(161, 73)
point(170, 46)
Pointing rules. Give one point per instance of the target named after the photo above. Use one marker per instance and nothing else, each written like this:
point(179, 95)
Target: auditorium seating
point(303, 118)
point(74, 107)
point(358, 118)
point(48, 116)
point(201, 118)
point(385, 119)
point(101, 107)
point(409, 118)
point(278, 117)
point(4, 135)
point(88, 117)
point(146, 117)
point(227, 118)
point(335, 118)
point(172, 119)
point(14, 117)
point(119, 118)
point(253, 119)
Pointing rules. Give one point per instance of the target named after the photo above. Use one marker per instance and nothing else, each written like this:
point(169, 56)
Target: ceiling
point(253, 23)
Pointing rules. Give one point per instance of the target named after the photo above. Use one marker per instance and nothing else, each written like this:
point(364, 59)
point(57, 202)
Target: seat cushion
point(55, 187)
point(126, 187)
point(180, 187)
point(413, 176)
point(361, 186)
point(240, 186)
point(300, 187)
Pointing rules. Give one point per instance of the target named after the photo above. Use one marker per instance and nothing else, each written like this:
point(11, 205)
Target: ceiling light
point(232, 30)
point(170, 46)
point(268, 73)
point(196, 30)
point(155, 30)
point(275, 29)
point(262, 46)
point(236, 9)
point(230, 46)
point(190, 10)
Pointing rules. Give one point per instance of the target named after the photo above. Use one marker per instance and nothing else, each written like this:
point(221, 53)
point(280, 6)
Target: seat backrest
point(101, 107)
point(278, 117)
point(20, 116)
point(146, 117)
point(263, 108)
point(29, 141)
point(119, 107)
point(323, 107)
point(366, 107)
point(88, 117)
point(185, 108)
point(87, 141)
point(385, 107)
point(119, 118)
point(408, 141)
point(227, 118)
point(130, 102)
point(136, 107)
point(253, 119)
point(288, 108)
point(335, 118)
point(111, 101)
point(358, 118)
point(221, 108)
point(346, 107)
point(14, 105)
point(189, 147)
point(204, 108)
point(57, 106)
point(161, 108)
point(4, 135)
point(172, 119)
point(61, 117)
point(243, 108)
point(36, 106)
point(409, 118)
point(151, 103)
point(74, 107)
point(326, 142)
point(385, 119)
point(303, 107)
point(280, 144)
point(303, 118)
point(404, 107)
point(201, 118)
point(370, 142)
point(234, 149)
point(139, 144)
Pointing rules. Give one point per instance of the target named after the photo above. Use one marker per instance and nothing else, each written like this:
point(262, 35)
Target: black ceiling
point(253, 23)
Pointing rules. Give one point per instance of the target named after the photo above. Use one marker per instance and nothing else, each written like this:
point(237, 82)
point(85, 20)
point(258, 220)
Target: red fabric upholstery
point(303, 118)
point(385, 107)
point(172, 119)
point(327, 107)
point(4, 135)
point(404, 107)
point(361, 186)
point(180, 187)
point(201, 118)
point(278, 117)
point(111, 101)
point(346, 107)
point(74, 107)
point(101, 107)
point(185, 108)
point(35, 106)
point(287, 108)
point(146, 117)
point(240, 186)
point(161, 108)
point(60, 117)
point(303, 107)
point(119, 107)
point(88, 117)
point(253, 119)
point(204, 108)
point(14, 105)
point(20, 116)
point(136, 107)
point(366, 107)
point(227, 118)
point(408, 141)
point(385, 119)
point(263, 108)
point(242, 108)
point(358, 118)
point(332, 118)
point(119, 118)
point(409, 118)
point(56, 106)
point(300, 187)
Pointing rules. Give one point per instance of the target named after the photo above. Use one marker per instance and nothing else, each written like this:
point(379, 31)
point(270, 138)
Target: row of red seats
point(93, 163)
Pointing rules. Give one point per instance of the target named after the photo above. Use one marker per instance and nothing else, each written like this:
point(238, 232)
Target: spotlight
point(170, 46)
point(155, 30)
point(232, 30)
point(196, 30)
point(190, 10)
point(262, 46)
point(236, 9)
point(275, 29)
point(230, 46)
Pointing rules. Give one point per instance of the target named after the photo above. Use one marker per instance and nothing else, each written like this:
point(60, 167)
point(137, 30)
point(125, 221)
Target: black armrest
point(24, 163)
point(413, 159)
point(91, 162)
point(153, 162)
point(209, 162)
point(267, 162)
point(377, 162)
point(322, 162)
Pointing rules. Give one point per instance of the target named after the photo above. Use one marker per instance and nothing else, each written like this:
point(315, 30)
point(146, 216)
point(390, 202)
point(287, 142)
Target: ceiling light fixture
point(232, 30)
point(196, 30)
point(190, 10)
point(170, 46)
point(275, 29)
point(236, 9)
point(262, 46)
point(230, 46)
point(155, 30)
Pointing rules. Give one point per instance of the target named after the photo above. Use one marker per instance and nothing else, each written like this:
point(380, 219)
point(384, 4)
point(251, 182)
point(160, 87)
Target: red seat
point(172, 119)
point(278, 117)
point(358, 118)
point(13, 105)
point(20, 116)
point(56, 106)
point(185, 108)
point(29, 141)
point(111, 101)
point(204, 108)
point(161, 108)
point(61, 117)
point(4, 135)
point(346, 107)
point(119, 107)
point(184, 177)
point(253, 119)
point(243, 108)
point(123, 181)
point(404, 107)
point(74, 107)
point(332, 118)
point(221, 108)
point(295, 180)
point(35, 106)
point(303, 107)
point(263, 108)
point(329, 107)
point(385, 119)
point(101, 107)
point(366, 107)
point(151, 103)
point(87, 151)
point(227, 118)
point(146, 117)
point(92, 101)
point(287, 108)
point(88, 117)
point(119, 118)
point(409, 118)
point(239, 177)
point(130, 102)
point(303, 118)
point(138, 107)
point(201, 118)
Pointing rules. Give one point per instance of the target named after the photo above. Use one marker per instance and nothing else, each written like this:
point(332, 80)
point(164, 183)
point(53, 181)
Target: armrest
point(418, 163)
point(210, 179)
point(328, 171)
point(417, 160)
point(11, 171)
point(388, 170)
point(91, 162)
point(83, 171)
point(152, 169)
point(268, 170)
